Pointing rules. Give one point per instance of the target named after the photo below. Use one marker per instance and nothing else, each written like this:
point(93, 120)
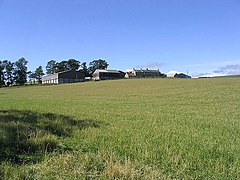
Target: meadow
point(122, 129)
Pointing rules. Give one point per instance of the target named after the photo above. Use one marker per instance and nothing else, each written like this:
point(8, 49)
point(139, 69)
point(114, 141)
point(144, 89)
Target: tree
point(51, 67)
point(2, 83)
point(20, 71)
point(9, 68)
point(97, 64)
point(31, 76)
point(73, 64)
point(84, 69)
point(62, 66)
point(55, 67)
point(38, 74)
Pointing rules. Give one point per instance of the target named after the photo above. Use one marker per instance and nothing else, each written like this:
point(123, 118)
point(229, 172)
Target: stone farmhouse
point(144, 74)
point(64, 77)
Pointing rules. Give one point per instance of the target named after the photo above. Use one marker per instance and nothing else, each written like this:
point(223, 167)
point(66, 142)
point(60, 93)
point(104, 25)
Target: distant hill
point(226, 76)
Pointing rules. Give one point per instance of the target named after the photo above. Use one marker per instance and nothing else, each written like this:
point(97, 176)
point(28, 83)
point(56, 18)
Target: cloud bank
point(151, 65)
point(231, 69)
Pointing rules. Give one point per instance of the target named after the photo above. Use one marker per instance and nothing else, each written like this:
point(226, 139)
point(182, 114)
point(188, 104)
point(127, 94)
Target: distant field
point(126, 129)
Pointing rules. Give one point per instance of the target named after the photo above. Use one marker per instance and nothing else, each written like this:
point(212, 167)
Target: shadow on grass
point(26, 136)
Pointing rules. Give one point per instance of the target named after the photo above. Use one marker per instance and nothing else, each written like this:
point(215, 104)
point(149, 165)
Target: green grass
point(123, 129)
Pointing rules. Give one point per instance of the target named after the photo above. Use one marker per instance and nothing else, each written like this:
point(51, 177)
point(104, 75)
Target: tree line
point(13, 72)
point(16, 73)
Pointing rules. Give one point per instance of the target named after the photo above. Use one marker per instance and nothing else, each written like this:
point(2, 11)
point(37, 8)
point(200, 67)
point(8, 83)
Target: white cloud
point(128, 70)
point(212, 64)
point(231, 69)
point(211, 74)
point(151, 65)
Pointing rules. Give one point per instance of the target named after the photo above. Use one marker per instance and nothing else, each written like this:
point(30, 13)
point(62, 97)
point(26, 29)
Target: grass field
point(123, 129)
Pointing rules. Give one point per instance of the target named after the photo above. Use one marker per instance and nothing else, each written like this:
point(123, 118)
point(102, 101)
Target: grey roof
point(59, 73)
point(106, 71)
point(65, 71)
point(146, 70)
point(55, 75)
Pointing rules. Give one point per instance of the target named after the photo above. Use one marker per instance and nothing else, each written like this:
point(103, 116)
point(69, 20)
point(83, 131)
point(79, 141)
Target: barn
point(64, 77)
point(181, 75)
point(104, 74)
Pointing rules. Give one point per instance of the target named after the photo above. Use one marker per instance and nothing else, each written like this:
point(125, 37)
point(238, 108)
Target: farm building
point(181, 75)
point(144, 73)
point(104, 74)
point(64, 77)
point(130, 74)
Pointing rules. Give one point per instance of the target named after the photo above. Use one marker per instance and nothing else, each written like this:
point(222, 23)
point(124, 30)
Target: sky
point(198, 37)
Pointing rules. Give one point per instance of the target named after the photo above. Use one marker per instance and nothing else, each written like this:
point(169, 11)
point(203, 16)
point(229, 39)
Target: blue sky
point(198, 36)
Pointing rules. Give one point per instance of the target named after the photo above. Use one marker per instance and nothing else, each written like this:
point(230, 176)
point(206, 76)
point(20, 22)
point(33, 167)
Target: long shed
point(104, 74)
point(64, 77)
